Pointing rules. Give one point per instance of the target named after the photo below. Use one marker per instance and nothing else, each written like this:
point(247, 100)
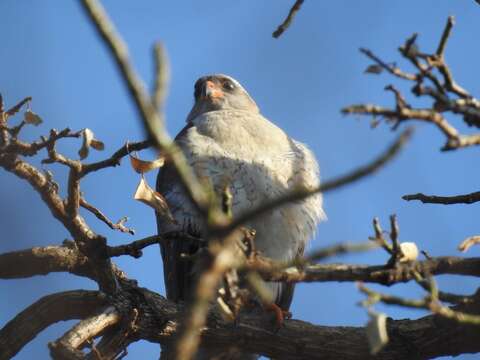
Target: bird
point(228, 142)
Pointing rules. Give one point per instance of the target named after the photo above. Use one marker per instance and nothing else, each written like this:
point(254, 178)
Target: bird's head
point(220, 92)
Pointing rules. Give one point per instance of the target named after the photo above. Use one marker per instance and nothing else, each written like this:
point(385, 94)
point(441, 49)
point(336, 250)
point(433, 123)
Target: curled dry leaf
point(154, 199)
point(373, 69)
point(31, 118)
point(468, 243)
point(89, 141)
point(409, 251)
point(377, 332)
point(142, 166)
point(226, 312)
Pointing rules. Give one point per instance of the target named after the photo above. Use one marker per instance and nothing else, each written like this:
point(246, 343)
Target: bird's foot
point(279, 313)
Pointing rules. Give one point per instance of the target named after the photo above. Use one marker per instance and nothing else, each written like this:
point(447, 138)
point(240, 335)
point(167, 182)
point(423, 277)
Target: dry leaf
point(409, 251)
point(31, 118)
point(150, 197)
point(142, 166)
point(226, 312)
point(89, 141)
point(468, 243)
point(374, 69)
point(97, 144)
point(377, 332)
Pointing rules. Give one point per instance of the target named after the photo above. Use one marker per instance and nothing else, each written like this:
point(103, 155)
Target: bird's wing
point(178, 273)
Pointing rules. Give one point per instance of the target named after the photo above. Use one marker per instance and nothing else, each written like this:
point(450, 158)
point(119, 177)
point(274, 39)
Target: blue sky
point(301, 81)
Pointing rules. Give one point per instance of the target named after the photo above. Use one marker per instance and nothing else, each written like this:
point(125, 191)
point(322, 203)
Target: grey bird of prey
point(228, 141)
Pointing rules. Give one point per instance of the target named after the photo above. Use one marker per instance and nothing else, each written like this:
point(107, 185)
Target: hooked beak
point(211, 91)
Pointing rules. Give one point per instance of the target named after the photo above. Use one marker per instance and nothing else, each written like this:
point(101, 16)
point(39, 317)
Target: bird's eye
point(228, 85)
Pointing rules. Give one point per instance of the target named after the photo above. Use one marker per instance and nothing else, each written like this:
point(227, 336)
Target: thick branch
point(410, 339)
point(42, 261)
point(38, 181)
point(86, 330)
point(48, 310)
point(87, 241)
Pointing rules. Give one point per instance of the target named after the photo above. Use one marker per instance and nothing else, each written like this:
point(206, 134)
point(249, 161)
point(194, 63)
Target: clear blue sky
point(50, 52)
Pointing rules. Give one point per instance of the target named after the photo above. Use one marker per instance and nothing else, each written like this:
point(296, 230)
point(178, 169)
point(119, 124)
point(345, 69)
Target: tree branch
point(161, 76)
point(102, 217)
point(134, 249)
point(381, 274)
point(114, 160)
point(19, 331)
point(288, 20)
point(445, 200)
point(70, 344)
point(410, 339)
point(42, 261)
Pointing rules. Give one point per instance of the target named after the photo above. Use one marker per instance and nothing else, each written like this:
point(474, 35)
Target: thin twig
point(134, 249)
point(74, 304)
point(288, 20)
point(119, 225)
point(468, 243)
point(445, 200)
point(379, 274)
point(426, 303)
point(445, 35)
point(338, 249)
point(392, 69)
point(114, 160)
point(14, 109)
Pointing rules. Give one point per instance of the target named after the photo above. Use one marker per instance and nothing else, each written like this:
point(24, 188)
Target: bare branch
point(426, 303)
point(468, 243)
point(445, 35)
point(445, 200)
point(42, 261)
point(288, 20)
point(392, 69)
point(162, 76)
point(48, 310)
point(88, 242)
point(73, 340)
point(134, 249)
point(102, 217)
point(38, 181)
point(339, 249)
point(114, 160)
point(14, 109)
point(410, 339)
point(30, 149)
point(380, 274)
